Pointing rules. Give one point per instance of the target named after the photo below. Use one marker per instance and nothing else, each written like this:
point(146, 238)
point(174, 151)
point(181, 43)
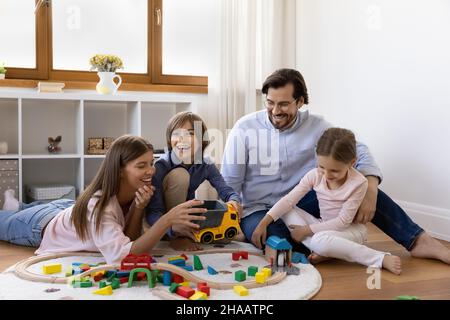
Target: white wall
point(382, 69)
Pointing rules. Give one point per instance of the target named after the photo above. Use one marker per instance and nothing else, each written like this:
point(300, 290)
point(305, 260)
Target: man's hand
point(299, 233)
point(368, 206)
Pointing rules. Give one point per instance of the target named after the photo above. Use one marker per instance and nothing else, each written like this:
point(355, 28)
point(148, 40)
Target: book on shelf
point(50, 86)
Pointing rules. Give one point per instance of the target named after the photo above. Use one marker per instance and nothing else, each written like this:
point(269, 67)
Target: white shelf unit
point(28, 118)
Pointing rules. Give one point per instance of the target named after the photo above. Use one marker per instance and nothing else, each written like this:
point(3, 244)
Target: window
point(64, 34)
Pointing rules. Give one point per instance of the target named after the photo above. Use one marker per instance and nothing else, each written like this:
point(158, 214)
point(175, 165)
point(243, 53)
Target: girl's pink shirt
point(110, 241)
point(337, 207)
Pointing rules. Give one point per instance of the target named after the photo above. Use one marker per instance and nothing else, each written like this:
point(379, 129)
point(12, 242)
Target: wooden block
point(267, 272)
point(260, 277)
point(240, 275)
point(241, 290)
point(252, 270)
point(198, 295)
point(186, 292)
point(52, 268)
point(106, 291)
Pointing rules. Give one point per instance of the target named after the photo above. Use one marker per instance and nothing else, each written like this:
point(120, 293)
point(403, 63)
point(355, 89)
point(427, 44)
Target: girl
point(181, 170)
point(107, 217)
point(340, 189)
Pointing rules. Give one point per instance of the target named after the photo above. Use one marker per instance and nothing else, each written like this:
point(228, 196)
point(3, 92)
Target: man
point(265, 167)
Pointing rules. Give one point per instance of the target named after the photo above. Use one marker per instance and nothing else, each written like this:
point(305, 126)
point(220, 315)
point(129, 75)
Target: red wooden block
point(200, 284)
point(123, 280)
point(205, 289)
point(98, 277)
point(177, 278)
point(85, 268)
point(184, 256)
point(244, 254)
point(235, 256)
point(185, 291)
point(141, 276)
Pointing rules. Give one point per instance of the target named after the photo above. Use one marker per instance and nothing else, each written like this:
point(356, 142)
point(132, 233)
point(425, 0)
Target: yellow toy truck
point(222, 221)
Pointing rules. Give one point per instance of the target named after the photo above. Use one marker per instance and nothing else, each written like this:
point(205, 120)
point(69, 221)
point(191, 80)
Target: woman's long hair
point(123, 150)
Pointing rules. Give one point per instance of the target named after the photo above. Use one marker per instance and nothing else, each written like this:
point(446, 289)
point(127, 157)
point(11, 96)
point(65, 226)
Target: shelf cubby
point(42, 119)
point(9, 126)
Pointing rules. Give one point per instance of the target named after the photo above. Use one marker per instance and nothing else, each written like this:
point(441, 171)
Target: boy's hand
point(237, 206)
point(299, 233)
point(143, 196)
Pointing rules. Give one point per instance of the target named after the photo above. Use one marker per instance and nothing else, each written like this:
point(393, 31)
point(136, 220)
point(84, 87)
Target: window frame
point(154, 76)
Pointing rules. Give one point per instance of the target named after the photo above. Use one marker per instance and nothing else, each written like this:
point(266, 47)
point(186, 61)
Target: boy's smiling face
point(184, 143)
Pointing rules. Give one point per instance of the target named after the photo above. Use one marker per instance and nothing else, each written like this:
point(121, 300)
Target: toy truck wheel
point(230, 233)
point(207, 238)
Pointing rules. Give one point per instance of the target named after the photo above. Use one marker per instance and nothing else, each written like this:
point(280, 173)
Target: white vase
point(3, 147)
point(106, 85)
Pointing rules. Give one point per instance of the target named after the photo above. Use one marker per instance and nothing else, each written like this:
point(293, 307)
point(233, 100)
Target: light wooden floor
point(427, 279)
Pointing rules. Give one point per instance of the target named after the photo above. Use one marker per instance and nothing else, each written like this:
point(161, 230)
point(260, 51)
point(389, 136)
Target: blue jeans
point(389, 217)
point(24, 227)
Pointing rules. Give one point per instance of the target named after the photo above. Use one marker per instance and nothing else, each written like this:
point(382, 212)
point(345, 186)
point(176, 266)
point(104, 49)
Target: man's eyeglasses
point(284, 104)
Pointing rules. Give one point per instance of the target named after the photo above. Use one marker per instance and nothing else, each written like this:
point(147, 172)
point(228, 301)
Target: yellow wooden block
point(260, 277)
point(185, 284)
point(267, 272)
point(106, 291)
point(198, 295)
point(241, 290)
point(69, 272)
point(99, 273)
point(52, 268)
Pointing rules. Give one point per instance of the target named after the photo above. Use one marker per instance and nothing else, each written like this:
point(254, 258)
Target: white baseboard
point(436, 221)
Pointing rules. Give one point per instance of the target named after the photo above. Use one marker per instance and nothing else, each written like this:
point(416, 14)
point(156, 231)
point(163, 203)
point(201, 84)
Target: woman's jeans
point(24, 226)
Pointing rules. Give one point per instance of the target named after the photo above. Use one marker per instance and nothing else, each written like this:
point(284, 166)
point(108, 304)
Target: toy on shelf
point(278, 252)
point(222, 221)
point(99, 146)
point(53, 144)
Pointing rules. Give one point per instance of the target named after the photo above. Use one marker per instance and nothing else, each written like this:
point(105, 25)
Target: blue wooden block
point(123, 274)
point(188, 268)
point(212, 271)
point(167, 278)
point(299, 257)
point(178, 262)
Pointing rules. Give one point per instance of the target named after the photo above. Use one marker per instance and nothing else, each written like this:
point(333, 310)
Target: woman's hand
point(143, 196)
point(182, 214)
point(299, 233)
point(237, 206)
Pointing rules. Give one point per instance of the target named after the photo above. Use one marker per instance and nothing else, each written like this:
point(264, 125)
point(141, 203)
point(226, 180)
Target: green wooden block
point(115, 284)
point(102, 284)
point(82, 284)
point(240, 276)
point(252, 270)
point(197, 263)
point(173, 287)
point(407, 298)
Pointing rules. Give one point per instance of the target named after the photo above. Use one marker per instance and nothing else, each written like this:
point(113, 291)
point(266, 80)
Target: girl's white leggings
point(346, 244)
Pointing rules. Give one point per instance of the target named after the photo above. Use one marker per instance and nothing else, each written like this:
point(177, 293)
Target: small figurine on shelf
point(53, 144)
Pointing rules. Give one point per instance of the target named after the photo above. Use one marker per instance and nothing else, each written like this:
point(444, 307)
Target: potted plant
point(2, 71)
point(106, 65)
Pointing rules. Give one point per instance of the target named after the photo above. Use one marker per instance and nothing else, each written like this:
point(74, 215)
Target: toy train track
point(21, 269)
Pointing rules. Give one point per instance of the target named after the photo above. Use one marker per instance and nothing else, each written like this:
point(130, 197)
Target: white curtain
point(253, 39)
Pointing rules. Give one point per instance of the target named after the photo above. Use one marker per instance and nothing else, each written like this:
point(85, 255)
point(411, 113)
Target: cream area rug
point(293, 287)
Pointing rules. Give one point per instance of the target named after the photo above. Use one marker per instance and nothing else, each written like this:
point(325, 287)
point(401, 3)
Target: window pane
point(18, 33)
point(187, 36)
point(83, 28)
